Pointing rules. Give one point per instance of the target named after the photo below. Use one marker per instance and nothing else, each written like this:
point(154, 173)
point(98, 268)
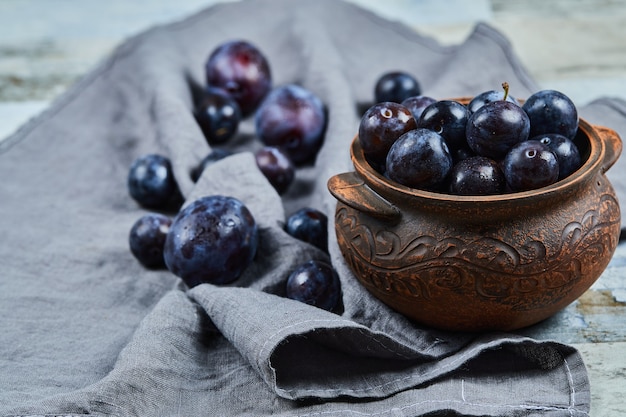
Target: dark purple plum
point(212, 157)
point(496, 127)
point(218, 115)
point(380, 126)
point(240, 68)
point(419, 159)
point(212, 240)
point(309, 225)
point(151, 181)
point(551, 111)
point(315, 283)
point(565, 150)
point(487, 97)
point(530, 165)
point(276, 166)
point(396, 86)
point(476, 175)
point(417, 104)
point(449, 119)
point(147, 239)
point(294, 119)
point(462, 153)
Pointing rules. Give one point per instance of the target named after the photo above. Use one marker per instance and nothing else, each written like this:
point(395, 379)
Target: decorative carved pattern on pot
point(426, 265)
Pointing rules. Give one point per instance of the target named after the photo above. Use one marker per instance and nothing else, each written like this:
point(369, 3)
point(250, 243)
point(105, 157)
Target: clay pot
point(481, 263)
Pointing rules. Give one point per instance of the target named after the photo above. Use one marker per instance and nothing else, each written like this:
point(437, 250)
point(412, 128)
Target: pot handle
point(350, 189)
point(613, 146)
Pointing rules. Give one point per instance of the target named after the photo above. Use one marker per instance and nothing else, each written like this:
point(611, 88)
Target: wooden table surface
point(577, 47)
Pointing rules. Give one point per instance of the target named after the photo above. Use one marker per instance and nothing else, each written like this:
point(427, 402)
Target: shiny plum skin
point(212, 240)
point(151, 181)
point(395, 86)
point(566, 152)
point(240, 68)
point(218, 115)
point(212, 157)
point(417, 104)
point(419, 159)
point(309, 225)
point(496, 127)
point(448, 118)
point(147, 239)
point(315, 283)
point(476, 175)
point(380, 126)
point(488, 97)
point(294, 119)
point(530, 165)
point(276, 167)
point(551, 111)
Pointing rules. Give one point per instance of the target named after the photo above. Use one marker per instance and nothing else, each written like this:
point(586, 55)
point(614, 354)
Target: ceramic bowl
point(480, 263)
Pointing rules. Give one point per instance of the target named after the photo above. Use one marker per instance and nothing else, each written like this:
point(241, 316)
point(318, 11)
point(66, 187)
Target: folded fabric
point(86, 330)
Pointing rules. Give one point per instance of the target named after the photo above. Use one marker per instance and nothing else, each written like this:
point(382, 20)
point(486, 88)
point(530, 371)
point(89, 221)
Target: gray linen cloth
point(86, 330)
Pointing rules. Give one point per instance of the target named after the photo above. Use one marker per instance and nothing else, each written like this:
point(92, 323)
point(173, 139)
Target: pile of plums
point(215, 238)
point(290, 121)
point(492, 145)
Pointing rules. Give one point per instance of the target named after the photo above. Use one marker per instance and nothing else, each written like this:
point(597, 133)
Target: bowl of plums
point(484, 213)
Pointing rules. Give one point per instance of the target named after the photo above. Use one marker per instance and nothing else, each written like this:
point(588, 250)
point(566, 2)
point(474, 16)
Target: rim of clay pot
point(592, 147)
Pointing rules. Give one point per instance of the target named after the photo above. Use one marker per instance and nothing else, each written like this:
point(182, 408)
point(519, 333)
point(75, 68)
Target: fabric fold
point(303, 352)
point(179, 363)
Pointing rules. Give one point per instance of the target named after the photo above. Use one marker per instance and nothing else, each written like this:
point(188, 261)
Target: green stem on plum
point(505, 85)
